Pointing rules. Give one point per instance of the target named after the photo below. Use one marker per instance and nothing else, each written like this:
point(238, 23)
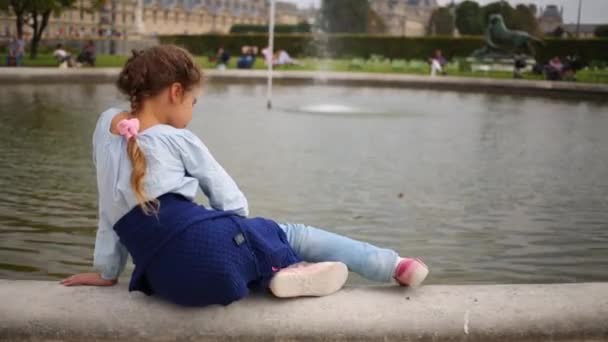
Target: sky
point(593, 11)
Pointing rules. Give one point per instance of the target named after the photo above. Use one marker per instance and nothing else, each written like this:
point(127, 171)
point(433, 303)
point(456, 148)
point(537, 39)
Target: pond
point(486, 188)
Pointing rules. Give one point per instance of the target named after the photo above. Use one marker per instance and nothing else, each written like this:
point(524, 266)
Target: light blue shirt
point(177, 162)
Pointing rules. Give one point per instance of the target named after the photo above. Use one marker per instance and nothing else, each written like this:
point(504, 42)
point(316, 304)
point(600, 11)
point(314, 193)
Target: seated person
point(571, 66)
point(247, 59)
point(283, 58)
point(554, 69)
point(63, 57)
point(519, 63)
point(223, 57)
point(87, 55)
point(268, 57)
point(438, 62)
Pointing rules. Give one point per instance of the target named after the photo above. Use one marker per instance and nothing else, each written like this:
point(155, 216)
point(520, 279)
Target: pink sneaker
point(410, 272)
point(309, 279)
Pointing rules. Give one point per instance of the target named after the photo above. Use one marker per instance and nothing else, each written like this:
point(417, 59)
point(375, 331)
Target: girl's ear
point(176, 93)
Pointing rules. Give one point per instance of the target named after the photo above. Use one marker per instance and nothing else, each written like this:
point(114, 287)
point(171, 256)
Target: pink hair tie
point(128, 128)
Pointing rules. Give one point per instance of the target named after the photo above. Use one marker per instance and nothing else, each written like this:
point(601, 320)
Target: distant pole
point(578, 22)
point(270, 54)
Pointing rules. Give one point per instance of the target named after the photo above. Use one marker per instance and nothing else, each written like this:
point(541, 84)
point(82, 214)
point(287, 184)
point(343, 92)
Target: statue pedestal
point(498, 64)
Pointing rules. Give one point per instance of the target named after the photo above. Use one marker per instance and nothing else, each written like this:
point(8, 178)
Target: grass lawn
point(350, 65)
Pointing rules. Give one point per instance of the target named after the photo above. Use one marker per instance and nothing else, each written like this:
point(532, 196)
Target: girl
point(149, 168)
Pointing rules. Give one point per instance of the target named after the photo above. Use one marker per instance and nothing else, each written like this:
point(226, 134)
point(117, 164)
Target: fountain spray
point(270, 53)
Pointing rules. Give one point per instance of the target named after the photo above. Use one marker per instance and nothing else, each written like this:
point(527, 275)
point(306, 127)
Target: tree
point(468, 18)
point(344, 16)
point(533, 9)
point(19, 9)
point(521, 17)
point(36, 14)
point(601, 31)
point(558, 32)
point(499, 7)
point(441, 22)
point(525, 20)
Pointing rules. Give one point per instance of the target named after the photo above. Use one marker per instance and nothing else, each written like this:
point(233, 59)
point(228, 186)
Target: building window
point(176, 16)
point(166, 15)
point(154, 16)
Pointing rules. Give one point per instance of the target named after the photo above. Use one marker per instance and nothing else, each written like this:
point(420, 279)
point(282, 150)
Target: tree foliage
point(525, 19)
point(441, 22)
point(601, 31)
point(558, 32)
point(522, 17)
point(36, 14)
point(503, 8)
point(468, 18)
point(344, 16)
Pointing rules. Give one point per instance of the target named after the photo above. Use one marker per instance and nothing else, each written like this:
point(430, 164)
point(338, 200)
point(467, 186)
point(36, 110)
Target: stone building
point(579, 31)
point(201, 16)
point(404, 17)
point(550, 18)
point(288, 13)
point(158, 17)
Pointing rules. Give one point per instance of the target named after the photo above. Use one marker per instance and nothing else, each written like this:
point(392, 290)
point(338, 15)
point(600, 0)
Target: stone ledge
point(461, 84)
point(39, 310)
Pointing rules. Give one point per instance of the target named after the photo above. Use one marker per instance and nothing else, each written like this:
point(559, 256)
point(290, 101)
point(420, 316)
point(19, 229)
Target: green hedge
point(281, 28)
point(364, 46)
point(589, 49)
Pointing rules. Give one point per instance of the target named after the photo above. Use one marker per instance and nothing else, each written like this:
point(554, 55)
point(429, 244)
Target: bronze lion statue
point(500, 40)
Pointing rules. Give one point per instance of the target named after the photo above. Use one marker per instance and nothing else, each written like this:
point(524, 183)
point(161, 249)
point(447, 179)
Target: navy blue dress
point(193, 256)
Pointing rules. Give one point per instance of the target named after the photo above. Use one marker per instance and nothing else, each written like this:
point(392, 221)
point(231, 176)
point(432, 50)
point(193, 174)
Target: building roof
point(584, 28)
point(233, 6)
point(422, 3)
point(551, 11)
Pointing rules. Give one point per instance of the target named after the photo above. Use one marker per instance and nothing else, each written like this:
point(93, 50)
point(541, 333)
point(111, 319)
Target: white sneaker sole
point(419, 276)
point(313, 280)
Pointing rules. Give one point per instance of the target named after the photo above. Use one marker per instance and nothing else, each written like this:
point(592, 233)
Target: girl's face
point(181, 105)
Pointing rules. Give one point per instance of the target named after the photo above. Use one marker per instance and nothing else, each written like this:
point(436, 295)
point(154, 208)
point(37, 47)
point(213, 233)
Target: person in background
point(438, 62)
point(16, 51)
point(87, 55)
point(268, 57)
point(223, 57)
point(554, 69)
point(63, 57)
point(572, 65)
point(283, 58)
point(519, 63)
point(247, 58)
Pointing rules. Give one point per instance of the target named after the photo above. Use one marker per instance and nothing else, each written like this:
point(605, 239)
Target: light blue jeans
point(316, 245)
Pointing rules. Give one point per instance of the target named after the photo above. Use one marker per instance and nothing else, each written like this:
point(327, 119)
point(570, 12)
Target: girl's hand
point(91, 279)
